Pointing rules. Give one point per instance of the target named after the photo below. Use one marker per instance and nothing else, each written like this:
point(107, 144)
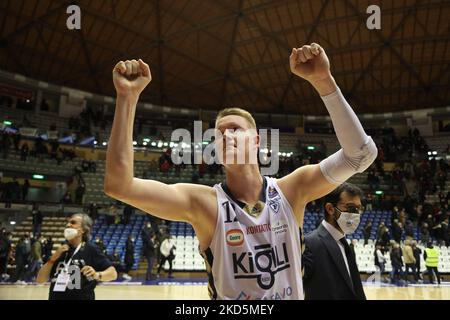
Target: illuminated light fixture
point(378, 192)
point(104, 143)
point(38, 176)
point(7, 123)
point(146, 139)
point(95, 142)
point(144, 143)
point(153, 144)
point(311, 148)
point(160, 144)
point(134, 143)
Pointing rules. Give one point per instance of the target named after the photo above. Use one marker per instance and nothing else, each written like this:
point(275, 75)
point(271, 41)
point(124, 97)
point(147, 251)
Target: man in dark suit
point(330, 266)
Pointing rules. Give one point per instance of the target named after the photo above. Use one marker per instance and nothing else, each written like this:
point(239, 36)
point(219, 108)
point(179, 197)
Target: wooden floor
point(199, 292)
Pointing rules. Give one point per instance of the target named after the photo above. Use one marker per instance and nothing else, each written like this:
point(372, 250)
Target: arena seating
point(188, 257)
point(115, 236)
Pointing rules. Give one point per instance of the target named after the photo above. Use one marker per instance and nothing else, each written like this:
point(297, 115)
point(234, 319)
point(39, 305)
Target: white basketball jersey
point(255, 257)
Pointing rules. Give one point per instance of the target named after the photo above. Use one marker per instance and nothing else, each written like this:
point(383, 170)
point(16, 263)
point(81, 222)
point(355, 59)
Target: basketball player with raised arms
point(249, 226)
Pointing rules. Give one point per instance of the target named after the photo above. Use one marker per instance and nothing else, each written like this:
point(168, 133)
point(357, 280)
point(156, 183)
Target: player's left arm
point(358, 150)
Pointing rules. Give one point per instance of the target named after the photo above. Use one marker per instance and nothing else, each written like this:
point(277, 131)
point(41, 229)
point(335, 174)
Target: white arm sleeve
point(358, 149)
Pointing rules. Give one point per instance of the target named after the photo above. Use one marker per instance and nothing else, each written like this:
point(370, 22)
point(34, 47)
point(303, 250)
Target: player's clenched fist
point(131, 77)
point(310, 63)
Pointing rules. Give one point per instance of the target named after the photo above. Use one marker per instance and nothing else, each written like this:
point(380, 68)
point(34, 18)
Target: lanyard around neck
point(67, 264)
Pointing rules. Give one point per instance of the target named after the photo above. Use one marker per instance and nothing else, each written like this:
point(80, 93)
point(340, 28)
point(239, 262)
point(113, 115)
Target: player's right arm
point(171, 202)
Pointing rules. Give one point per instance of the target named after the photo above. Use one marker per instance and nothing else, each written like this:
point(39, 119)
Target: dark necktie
point(350, 260)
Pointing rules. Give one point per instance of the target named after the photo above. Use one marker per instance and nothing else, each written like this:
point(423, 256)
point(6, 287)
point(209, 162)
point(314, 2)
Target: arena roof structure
point(211, 54)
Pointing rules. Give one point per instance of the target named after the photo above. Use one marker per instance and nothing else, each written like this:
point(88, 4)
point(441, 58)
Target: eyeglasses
point(352, 209)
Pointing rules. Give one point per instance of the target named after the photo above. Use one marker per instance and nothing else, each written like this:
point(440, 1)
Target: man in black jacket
point(330, 265)
point(149, 249)
point(397, 264)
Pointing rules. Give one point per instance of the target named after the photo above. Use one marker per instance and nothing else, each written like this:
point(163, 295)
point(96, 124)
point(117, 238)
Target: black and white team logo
point(274, 205)
point(263, 266)
point(274, 199)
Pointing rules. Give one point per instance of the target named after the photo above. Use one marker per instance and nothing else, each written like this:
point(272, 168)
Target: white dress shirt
point(337, 235)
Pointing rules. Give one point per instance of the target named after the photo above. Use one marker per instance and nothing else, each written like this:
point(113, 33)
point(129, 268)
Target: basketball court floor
point(198, 291)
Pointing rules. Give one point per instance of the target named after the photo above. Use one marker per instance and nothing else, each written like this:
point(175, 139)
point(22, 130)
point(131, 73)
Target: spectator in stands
point(397, 231)
point(417, 253)
point(410, 260)
point(430, 222)
point(425, 237)
point(37, 219)
point(129, 257)
point(116, 262)
point(93, 211)
point(402, 217)
point(5, 251)
point(21, 259)
point(24, 151)
point(81, 261)
point(369, 202)
point(92, 166)
point(380, 229)
point(445, 232)
point(85, 165)
point(7, 194)
point(397, 263)
point(373, 180)
point(16, 190)
point(67, 198)
point(165, 167)
point(367, 230)
point(384, 237)
point(167, 250)
point(79, 193)
point(5, 144)
point(111, 214)
point(127, 213)
point(25, 188)
point(394, 215)
point(409, 229)
point(35, 260)
point(47, 249)
point(380, 260)
point(431, 257)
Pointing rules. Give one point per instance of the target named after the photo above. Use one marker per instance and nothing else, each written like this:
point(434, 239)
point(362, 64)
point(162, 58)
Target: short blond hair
point(237, 112)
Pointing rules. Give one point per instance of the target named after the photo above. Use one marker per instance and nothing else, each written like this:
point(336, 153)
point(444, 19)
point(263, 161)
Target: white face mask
point(348, 222)
point(70, 233)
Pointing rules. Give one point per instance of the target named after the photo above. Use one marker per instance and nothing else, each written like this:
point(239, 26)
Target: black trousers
point(3, 265)
point(163, 261)
point(434, 270)
point(411, 266)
